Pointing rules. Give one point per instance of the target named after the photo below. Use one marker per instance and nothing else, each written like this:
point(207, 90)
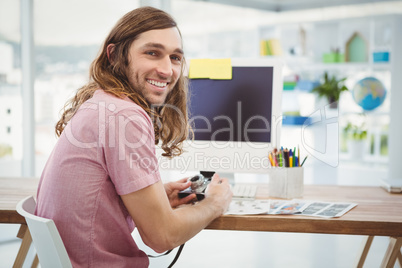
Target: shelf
point(366, 161)
point(296, 120)
point(304, 46)
point(304, 64)
point(345, 66)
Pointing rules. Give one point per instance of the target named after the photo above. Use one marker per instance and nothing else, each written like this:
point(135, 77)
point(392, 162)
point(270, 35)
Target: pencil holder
point(286, 182)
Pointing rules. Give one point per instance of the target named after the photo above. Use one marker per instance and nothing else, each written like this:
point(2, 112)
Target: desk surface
point(13, 190)
point(377, 213)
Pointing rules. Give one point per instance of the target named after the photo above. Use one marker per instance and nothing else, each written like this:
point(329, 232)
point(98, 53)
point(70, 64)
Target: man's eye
point(176, 58)
point(152, 53)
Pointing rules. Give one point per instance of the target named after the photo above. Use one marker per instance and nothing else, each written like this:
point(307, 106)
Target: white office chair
point(45, 236)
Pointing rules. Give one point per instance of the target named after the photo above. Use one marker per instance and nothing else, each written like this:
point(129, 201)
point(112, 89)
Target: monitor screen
point(239, 109)
point(235, 122)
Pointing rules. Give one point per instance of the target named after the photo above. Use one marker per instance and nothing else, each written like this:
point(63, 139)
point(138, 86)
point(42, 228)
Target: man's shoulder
point(112, 104)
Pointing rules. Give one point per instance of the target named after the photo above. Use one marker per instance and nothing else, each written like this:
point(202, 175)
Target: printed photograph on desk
point(248, 207)
point(287, 207)
point(275, 205)
point(327, 209)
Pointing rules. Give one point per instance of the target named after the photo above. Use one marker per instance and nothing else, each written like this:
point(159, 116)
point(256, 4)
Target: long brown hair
point(171, 119)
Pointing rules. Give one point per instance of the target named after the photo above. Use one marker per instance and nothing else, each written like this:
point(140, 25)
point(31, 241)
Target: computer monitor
point(236, 122)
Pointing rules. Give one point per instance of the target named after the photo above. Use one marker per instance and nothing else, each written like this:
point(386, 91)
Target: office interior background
point(46, 47)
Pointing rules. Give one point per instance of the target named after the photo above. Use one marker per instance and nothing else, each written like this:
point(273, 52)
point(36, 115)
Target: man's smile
point(157, 83)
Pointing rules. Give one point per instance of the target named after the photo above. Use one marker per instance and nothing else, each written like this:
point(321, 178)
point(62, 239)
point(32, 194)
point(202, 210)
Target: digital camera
point(198, 186)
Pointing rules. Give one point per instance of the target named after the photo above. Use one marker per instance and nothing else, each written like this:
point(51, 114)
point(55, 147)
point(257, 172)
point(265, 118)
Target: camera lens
point(197, 181)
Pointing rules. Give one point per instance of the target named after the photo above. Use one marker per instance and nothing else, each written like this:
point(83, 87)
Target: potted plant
point(356, 135)
point(331, 89)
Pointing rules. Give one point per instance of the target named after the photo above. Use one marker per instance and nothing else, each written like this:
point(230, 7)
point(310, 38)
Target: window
point(64, 50)
point(10, 88)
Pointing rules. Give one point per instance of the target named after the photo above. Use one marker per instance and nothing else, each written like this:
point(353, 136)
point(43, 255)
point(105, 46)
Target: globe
point(369, 93)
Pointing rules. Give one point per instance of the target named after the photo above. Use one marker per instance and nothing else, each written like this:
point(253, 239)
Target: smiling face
point(155, 61)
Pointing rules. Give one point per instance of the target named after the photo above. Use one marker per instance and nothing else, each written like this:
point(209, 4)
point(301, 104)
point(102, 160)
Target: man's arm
point(172, 190)
point(163, 228)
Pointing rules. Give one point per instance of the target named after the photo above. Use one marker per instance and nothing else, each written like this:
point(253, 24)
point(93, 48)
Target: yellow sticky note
point(199, 68)
point(210, 68)
point(221, 69)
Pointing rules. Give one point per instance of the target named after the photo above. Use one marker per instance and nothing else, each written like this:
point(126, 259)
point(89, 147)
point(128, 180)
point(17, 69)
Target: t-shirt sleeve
point(129, 151)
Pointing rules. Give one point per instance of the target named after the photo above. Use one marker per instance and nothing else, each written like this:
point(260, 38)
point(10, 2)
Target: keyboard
point(244, 191)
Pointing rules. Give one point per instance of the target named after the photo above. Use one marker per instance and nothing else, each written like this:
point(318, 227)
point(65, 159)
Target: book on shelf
point(271, 47)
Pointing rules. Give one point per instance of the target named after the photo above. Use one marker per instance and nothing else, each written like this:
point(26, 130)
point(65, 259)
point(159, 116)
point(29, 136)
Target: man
point(102, 178)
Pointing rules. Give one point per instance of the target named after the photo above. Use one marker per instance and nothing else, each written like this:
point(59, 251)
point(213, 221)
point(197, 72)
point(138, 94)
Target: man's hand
point(220, 192)
point(172, 191)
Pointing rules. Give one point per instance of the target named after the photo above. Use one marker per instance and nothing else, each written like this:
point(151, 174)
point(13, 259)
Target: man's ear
point(110, 53)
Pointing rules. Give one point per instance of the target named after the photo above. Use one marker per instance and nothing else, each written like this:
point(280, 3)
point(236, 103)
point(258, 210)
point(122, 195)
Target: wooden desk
point(13, 190)
point(378, 213)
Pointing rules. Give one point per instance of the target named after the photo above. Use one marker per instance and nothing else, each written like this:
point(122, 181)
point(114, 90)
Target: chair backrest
point(45, 236)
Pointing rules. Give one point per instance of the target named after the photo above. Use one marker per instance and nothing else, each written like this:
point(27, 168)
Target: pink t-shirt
point(106, 150)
